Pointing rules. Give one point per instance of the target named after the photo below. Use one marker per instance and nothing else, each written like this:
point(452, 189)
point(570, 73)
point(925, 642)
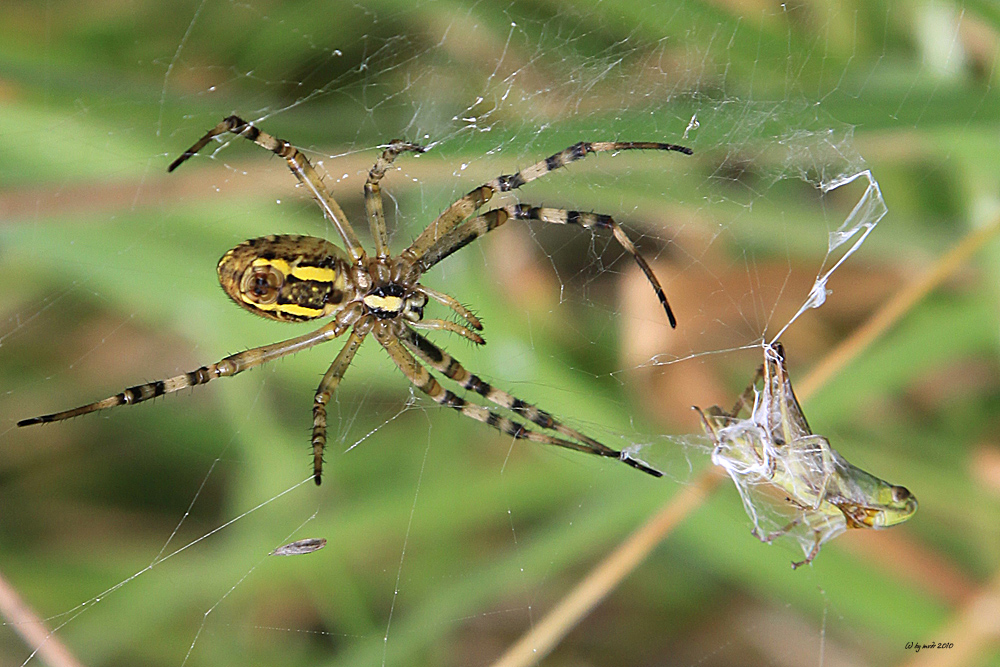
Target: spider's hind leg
point(595, 221)
point(299, 165)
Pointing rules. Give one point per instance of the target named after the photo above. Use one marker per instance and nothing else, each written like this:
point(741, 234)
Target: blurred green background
point(446, 543)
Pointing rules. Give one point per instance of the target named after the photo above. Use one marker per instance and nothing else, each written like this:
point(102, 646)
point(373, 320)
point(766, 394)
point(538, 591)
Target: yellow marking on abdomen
point(317, 274)
point(313, 273)
point(290, 308)
point(279, 264)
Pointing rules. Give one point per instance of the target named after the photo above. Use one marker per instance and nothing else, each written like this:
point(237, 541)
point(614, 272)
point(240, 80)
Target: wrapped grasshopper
point(775, 447)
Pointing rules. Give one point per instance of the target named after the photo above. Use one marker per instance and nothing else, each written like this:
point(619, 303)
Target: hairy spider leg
point(447, 365)
point(452, 303)
point(231, 365)
point(421, 378)
point(471, 229)
point(474, 200)
point(448, 325)
point(373, 192)
point(324, 392)
point(300, 166)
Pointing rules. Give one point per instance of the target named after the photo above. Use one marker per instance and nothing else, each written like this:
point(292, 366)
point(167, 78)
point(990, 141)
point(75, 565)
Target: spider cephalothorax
point(298, 278)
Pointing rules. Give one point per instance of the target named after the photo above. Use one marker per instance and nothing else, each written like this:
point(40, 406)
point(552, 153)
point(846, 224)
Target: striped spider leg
point(290, 278)
point(299, 165)
point(453, 230)
point(433, 356)
point(231, 365)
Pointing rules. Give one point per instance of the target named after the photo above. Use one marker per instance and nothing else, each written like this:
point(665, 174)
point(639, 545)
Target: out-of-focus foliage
point(108, 272)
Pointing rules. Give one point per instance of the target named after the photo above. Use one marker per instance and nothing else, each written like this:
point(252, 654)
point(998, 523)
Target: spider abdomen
point(287, 277)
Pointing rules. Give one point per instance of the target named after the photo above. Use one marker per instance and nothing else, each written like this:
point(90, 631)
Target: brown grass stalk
point(23, 620)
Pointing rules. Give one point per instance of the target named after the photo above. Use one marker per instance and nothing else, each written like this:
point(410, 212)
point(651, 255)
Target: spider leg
point(470, 203)
point(463, 235)
point(373, 192)
point(231, 365)
point(297, 162)
point(327, 386)
point(445, 325)
point(447, 365)
point(425, 382)
point(452, 303)
point(470, 230)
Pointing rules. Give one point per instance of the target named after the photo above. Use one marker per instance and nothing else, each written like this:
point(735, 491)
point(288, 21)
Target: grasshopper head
point(893, 504)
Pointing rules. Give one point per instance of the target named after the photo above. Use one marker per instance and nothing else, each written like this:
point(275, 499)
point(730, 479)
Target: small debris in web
point(305, 546)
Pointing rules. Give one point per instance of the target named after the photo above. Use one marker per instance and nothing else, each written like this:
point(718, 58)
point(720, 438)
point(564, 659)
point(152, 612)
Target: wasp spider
point(297, 278)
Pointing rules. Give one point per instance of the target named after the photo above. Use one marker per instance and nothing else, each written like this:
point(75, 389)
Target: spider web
point(144, 534)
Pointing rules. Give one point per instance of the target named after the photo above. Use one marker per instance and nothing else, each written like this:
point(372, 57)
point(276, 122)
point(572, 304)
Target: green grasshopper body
point(775, 447)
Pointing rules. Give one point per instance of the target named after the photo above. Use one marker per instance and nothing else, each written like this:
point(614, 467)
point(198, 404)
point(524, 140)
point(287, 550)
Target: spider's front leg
point(448, 232)
point(394, 339)
point(475, 199)
point(471, 229)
